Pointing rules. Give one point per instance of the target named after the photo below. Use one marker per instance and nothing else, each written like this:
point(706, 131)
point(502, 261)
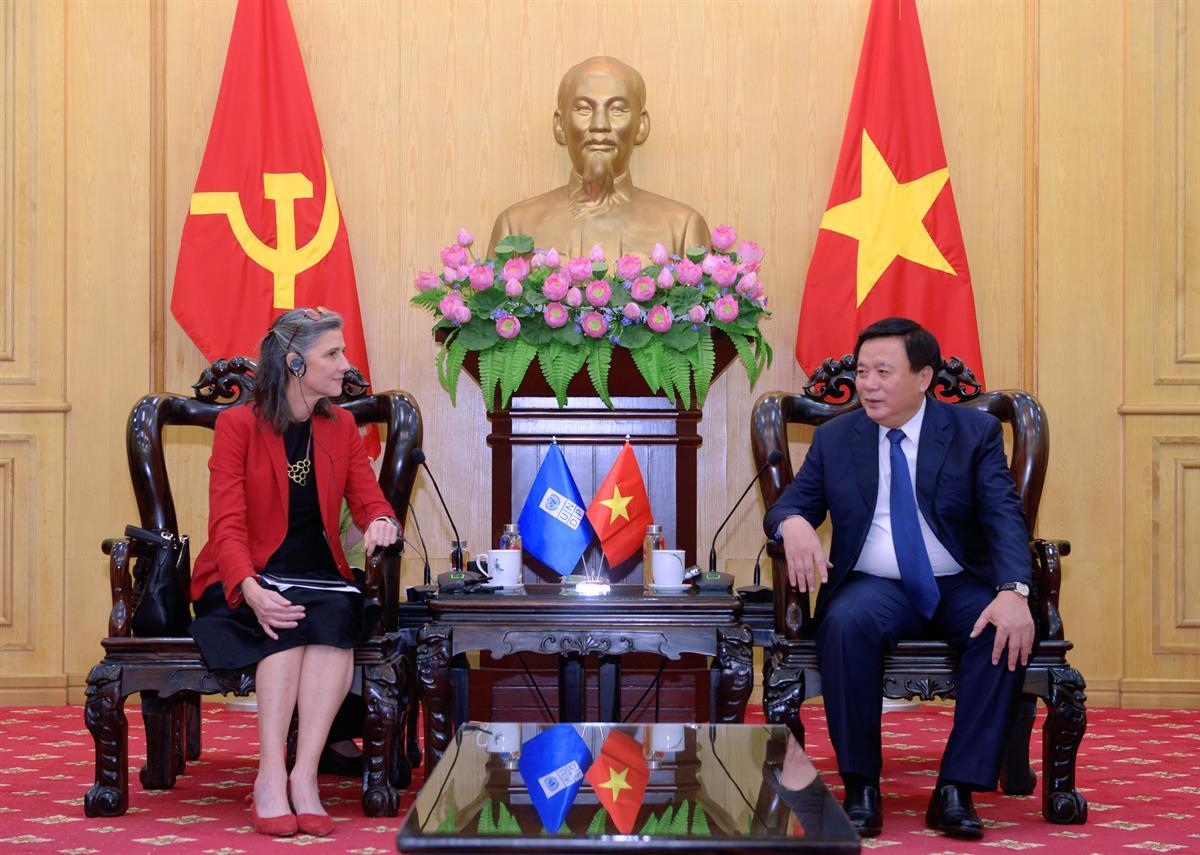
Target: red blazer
point(248, 494)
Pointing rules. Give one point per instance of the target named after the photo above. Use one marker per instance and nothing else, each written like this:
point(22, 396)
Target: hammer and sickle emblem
point(284, 260)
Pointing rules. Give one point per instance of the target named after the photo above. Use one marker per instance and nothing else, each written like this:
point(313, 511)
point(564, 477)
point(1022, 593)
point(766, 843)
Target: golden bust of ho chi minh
point(601, 117)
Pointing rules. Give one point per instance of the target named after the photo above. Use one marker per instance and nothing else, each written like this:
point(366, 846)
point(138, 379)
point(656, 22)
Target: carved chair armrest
point(121, 581)
point(1047, 583)
point(382, 578)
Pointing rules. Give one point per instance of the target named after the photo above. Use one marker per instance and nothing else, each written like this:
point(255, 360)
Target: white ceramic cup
point(666, 567)
point(504, 738)
point(666, 738)
point(502, 566)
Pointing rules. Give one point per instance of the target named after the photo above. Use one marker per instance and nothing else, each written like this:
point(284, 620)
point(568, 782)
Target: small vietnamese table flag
point(264, 231)
point(553, 526)
point(619, 776)
point(889, 243)
point(620, 511)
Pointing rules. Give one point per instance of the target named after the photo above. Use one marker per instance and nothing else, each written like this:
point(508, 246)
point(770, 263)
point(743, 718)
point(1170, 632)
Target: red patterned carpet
point(1139, 770)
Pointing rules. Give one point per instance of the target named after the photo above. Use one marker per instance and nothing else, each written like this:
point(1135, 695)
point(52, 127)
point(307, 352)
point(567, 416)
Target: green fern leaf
point(651, 826)
point(486, 825)
point(597, 825)
point(507, 823)
point(681, 375)
point(664, 821)
point(429, 300)
point(455, 355)
point(549, 358)
point(746, 353)
point(700, 822)
point(598, 363)
point(449, 824)
point(517, 357)
point(679, 825)
point(704, 361)
point(645, 358)
point(489, 375)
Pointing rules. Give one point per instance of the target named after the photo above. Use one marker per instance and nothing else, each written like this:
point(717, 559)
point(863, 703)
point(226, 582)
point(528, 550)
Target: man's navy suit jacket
point(964, 490)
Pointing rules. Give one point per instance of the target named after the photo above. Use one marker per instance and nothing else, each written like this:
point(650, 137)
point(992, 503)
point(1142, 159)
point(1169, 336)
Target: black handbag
point(160, 576)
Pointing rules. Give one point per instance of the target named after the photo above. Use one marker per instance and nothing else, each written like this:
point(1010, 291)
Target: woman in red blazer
point(272, 585)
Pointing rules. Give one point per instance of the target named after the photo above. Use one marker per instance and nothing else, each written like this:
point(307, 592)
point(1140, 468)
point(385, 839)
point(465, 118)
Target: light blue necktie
point(916, 573)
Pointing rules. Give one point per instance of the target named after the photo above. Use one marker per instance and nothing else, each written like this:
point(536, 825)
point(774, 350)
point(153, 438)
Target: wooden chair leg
point(191, 726)
point(783, 691)
point(104, 715)
point(1017, 777)
point(381, 692)
point(1066, 721)
point(161, 743)
point(412, 700)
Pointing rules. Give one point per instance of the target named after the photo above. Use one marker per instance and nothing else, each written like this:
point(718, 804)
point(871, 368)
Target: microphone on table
point(757, 593)
point(712, 580)
point(457, 578)
point(425, 590)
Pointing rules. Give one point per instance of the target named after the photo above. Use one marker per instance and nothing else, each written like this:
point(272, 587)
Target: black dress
point(232, 638)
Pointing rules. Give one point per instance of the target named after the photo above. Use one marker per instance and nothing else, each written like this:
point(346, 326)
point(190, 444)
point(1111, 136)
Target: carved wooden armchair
point(928, 669)
point(170, 673)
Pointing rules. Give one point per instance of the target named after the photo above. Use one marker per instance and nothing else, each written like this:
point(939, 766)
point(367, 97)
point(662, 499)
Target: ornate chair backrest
point(830, 391)
point(228, 383)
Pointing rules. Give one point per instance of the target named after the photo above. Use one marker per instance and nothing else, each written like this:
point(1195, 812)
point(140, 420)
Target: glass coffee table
point(695, 788)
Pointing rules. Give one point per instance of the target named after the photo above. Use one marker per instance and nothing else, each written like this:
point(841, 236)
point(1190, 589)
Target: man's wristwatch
point(1019, 588)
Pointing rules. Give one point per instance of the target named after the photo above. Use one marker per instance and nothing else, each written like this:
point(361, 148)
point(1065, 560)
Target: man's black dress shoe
point(951, 812)
point(862, 806)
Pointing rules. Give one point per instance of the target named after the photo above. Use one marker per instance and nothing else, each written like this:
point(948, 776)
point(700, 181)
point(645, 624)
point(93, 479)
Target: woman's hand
point(381, 532)
point(273, 610)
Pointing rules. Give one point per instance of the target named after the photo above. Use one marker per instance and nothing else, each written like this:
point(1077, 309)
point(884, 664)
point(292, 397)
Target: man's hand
point(381, 532)
point(1009, 613)
point(805, 557)
point(273, 610)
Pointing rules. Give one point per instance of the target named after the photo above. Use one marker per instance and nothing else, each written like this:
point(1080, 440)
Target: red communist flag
point(264, 232)
point(889, 242)
point(621, 510)
point(619, 776)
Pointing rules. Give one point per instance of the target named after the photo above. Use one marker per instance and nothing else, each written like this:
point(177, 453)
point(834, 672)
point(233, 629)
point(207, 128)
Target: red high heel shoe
point(275, 826)
point(316, 824)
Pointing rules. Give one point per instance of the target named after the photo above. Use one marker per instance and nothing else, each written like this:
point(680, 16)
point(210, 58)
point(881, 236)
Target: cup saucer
point(669, 589)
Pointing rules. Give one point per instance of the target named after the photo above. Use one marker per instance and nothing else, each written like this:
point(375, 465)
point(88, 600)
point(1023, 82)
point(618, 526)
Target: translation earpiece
point(296, 366)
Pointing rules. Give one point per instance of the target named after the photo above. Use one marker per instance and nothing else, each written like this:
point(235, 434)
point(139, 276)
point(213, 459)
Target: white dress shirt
point(878, 557)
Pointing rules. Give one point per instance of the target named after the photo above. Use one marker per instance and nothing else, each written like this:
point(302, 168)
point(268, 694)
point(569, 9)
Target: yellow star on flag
point(616, 783)
point(618, 505)
point(887, 219)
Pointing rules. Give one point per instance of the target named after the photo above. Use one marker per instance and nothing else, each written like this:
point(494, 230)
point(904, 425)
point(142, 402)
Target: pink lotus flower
point(454, 256)
point(593, 324)
point(465, 238)
point(642, 288)
point(516, 268)
point(598, 292)
point(539, 258)
point(508, 327)
point(555, 287)
point(697, 314)
point(580, 269)
point(724, 273)
point(688, 273)
point(551, 258)
point(555, 315)
point(709, 264)
point(456, 274)
point(659, 319)
point(659, 254)
point(512, 288)
point(449, 304)
point(749, 252)
point(747, 284)
point(426, 281)
point(482, 277)
point(666, 280)
point(574, 298)
point(462, 314)
point(597, 254)
point(725, 308)
point(632, 311)
point(629, 266)
point(723, 238)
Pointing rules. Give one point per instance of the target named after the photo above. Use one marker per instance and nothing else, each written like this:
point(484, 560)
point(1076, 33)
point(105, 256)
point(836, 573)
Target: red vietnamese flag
point(264, 232)
point(620, 511)
point(889, 243)
point(619, 776)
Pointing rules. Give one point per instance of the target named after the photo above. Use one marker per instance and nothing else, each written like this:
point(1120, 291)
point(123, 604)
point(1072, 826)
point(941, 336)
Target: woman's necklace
point(298, 471)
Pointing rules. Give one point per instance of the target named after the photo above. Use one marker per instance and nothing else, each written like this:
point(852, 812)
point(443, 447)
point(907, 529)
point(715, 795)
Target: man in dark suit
point(929, 540)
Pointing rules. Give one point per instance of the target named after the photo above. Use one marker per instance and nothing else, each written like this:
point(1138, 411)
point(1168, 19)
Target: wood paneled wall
point(1070, 177)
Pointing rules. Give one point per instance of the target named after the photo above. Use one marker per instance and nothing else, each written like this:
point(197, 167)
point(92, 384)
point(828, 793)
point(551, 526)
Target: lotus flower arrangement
point(569, 313)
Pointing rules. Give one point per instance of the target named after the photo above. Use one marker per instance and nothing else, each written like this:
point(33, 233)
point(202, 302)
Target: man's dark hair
point(919, 344)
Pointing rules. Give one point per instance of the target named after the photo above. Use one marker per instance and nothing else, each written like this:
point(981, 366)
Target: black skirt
point(230, 639)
